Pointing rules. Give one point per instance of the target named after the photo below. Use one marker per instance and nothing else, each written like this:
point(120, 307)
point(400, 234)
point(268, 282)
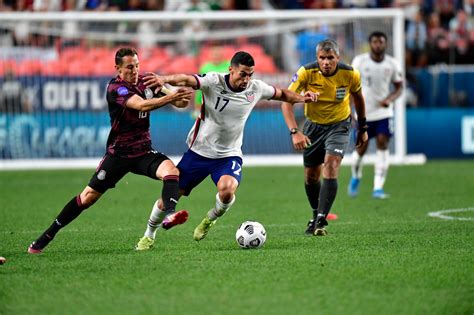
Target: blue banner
point(437, 133)
point(65, 93)
point(441, 133)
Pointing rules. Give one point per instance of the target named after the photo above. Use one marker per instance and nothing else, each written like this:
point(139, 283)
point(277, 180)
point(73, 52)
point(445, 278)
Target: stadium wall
point(29, 139)
point(441, 133)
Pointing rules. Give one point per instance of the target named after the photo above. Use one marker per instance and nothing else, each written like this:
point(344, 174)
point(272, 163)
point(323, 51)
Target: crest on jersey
point(101, 175)
point(250, 96)
point(294, 78)
point(148, 93)
point(122, 91)
point(340, 93)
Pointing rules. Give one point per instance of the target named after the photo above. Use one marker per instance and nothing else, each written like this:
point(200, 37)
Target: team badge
point(340, 93)
point(250, 96)
point(294, 78)
point(148, 93)
point(122, 91)
point(101, 175)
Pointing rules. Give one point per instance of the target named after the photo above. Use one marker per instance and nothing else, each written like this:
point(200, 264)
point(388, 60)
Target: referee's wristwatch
point(293, 131)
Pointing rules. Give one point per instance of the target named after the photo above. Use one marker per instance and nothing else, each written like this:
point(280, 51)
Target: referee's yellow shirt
point(333, 103)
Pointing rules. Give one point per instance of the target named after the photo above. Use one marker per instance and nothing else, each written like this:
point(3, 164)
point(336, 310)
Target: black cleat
point(311, 227)
point(37, 246)
point(321, 222)
point(319, 226)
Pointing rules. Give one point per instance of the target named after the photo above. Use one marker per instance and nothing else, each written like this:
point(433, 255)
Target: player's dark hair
point(122, 52)
point(377, 34)
point(328, 45)
point(242, 58)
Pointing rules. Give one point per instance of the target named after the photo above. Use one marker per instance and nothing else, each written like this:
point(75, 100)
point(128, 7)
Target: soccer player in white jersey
point(379, 72)
point(215, 140)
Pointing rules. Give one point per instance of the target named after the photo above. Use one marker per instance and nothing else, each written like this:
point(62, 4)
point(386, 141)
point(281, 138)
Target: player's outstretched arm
point(143, 105)
point(168, 90)
point(155, 81)
point(300, 141)
point(293, 97)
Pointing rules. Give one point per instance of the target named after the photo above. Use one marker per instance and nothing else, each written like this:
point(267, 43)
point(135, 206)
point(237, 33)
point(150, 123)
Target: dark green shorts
point(331, 139)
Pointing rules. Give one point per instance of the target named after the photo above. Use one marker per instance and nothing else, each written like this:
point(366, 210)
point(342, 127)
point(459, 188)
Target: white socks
point(356, 164)
point(381, 168)
point(156, 217)
point(220, 208)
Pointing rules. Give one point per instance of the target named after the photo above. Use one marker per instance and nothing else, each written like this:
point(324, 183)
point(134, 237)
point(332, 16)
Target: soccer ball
point(251, 234)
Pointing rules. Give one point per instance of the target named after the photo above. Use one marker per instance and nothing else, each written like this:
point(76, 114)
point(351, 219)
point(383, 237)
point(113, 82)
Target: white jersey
point(377, 78)
point(219, 129)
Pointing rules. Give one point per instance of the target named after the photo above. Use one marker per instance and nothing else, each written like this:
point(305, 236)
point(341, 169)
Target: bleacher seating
point(96, 61)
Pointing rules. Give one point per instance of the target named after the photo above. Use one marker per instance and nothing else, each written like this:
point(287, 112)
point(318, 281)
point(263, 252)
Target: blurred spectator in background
point(13, 96)
point(469, 7)
point(188, 43)
point(446, 11)
point(438, 40)
point(7, 5)
point(305, 44)
point(359, 3)
point(242, 5)
point(410, 8)
point(93, 5)
point(192, 6)
point(460, 31)
point(47, 5)
point(416, 37)
point(217, 63)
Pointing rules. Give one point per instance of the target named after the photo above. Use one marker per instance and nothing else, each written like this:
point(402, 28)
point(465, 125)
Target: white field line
point(442, 214)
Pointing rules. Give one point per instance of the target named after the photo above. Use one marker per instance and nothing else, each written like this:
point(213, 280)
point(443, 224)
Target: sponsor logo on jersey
point(340, 93)
point(294, 78)
point(148, 93)
point(338, 150)
point(223, 92)
point(250, 96)
point(122, 91)
point(101, 175)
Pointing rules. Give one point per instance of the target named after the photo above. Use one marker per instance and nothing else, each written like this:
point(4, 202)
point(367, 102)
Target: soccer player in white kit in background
point(215, 140)
point(378, 73)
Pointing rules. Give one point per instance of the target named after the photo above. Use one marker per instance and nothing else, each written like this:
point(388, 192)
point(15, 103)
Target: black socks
point(312, 192)
point(170, 193)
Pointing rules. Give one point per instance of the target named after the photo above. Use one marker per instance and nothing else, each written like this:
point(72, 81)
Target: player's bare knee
point(167, 168)
point(159, 204)
point(89, 196)
point(312, 175)
point(226, 195)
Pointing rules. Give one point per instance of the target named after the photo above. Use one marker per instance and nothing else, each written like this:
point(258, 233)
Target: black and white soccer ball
point(251, 234)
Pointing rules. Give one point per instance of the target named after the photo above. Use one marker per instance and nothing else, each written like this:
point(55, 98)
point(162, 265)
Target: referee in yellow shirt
point(325, 135)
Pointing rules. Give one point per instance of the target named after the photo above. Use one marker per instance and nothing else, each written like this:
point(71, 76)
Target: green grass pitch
point(380, 257)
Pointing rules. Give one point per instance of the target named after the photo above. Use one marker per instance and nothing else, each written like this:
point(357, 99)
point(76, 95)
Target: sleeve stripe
point(274, 92)
point(197, 81)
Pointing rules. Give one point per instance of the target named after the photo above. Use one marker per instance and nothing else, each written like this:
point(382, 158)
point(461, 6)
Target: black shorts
point(332, 139)
point(111, 169)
